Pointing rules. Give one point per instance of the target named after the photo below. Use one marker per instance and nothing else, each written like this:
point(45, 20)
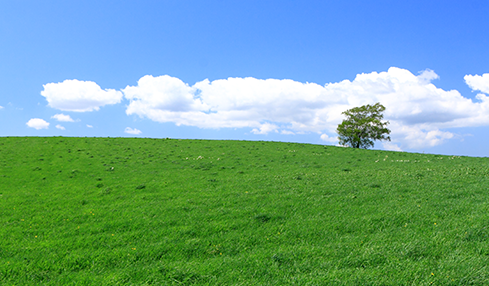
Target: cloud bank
point(37, 123)
point(79, 96)
point(417, 109)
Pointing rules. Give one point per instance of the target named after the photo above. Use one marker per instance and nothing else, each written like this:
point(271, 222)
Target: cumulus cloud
point(426, 76)
point(60, 127)
point(62, 117)
point(391, 146)
point(37, 123)
point(327, 138)
point(265, 129)
point(478, 82)
point(89, 126)
point(233, 103)
point(79, 96)
point(163, 93)
point(130, 130)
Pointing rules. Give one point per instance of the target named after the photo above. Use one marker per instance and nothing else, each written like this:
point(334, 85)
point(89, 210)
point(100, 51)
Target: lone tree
point(363, 125)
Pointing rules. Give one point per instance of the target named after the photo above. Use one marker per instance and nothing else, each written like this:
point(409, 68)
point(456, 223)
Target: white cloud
point(477, 82)
point(161, 93)
point(60, 127)
point(134, 131)
point(265, 129)
point(62, 117)
point(426, 76)
point(79, 96)
point(1, 107)
point(417, 137)
point(234, 103)
point(89, 126)
point(391, 146)
point(327, 138)
point(287, 132)
point(37, 123)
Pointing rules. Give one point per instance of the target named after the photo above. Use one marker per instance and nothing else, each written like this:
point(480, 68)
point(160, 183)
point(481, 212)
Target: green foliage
point(198, 212)
point(362, 126)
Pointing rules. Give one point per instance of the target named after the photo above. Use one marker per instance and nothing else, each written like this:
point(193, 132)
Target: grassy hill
point(112, 211)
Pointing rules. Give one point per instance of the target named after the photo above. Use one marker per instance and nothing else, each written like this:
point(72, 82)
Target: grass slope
point(111, 211)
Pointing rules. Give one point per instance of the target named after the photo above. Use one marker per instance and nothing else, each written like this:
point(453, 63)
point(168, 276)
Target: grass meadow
point(125, 211)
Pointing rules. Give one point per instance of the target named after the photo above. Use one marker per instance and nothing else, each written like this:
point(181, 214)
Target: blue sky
point(247, 70)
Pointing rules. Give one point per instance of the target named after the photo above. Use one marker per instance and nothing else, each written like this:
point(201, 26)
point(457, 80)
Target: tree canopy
point(362, 126)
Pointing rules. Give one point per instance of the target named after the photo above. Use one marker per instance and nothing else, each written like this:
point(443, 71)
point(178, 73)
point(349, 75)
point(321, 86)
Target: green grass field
point(112, 211)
